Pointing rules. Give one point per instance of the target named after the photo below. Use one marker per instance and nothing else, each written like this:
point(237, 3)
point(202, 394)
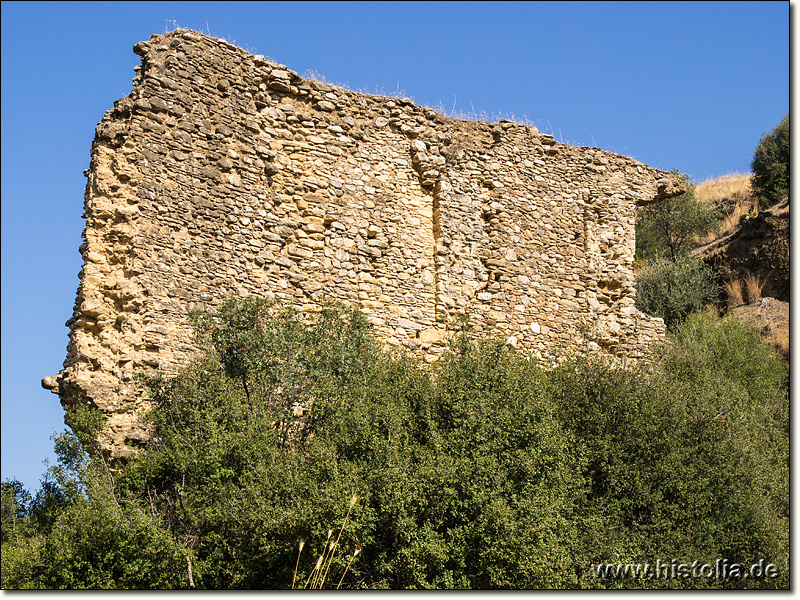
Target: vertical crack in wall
point(440, 315)
point(430, 178)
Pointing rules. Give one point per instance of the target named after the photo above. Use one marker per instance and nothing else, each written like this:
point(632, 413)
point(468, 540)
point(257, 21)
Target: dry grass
point(734, 217)
point(753, 284)
point(733, 289)
point(731, 194)
point(733, 186)
point(779, 339)
point(772, 319)
point(748, 289)
point(319, 574)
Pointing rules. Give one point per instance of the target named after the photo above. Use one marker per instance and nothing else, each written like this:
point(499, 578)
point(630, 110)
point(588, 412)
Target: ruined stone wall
point(224, 174)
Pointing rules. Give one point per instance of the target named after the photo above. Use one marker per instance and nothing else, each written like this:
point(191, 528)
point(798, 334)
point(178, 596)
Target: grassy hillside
point(731, 255)
point(733, 196)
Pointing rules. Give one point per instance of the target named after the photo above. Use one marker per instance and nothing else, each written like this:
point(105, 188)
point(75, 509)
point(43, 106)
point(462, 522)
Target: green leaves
point(482, 471)
point(667, 229)
point(771, 165)
point(673, 290)
point(679, 460)
point(672, 284)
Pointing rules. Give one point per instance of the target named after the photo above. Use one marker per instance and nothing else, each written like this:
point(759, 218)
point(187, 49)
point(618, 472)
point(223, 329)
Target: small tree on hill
point(771, 165)
point(668, 228)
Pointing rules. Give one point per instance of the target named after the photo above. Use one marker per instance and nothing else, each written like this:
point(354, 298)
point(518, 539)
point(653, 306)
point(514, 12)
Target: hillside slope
point(759, 247)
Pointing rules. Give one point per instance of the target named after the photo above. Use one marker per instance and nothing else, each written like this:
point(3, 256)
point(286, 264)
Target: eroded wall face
point(225, 174)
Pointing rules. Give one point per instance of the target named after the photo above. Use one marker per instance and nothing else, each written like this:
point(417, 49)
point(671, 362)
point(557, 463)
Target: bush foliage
point(671, 284)
point(484, 471)
point(674, 289)
point(771, 165)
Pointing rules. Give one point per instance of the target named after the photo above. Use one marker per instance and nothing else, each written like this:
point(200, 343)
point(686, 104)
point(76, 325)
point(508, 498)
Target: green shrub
point(464, 480)
point(686, 457)
point(771, 165)
point(673, 290)
point(733, 388)
point(75, 534)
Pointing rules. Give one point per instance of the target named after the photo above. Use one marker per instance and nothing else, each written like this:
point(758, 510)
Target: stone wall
point(223, 174)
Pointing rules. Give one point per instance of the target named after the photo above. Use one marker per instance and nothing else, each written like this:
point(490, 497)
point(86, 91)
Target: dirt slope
point(760, 246)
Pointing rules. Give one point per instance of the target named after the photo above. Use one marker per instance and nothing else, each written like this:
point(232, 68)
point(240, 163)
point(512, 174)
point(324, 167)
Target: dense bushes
point(77, 533)
point(487, 472)
point(687, 458)
point(771, 165)
point(674, 289)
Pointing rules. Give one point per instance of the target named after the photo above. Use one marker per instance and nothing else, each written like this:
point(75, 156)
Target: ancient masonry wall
point(223, 174)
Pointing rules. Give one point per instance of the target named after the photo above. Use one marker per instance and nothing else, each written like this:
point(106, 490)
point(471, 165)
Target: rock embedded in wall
point(223, 173)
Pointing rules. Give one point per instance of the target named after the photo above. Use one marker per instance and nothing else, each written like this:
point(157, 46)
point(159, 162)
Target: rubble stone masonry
point(225, 174)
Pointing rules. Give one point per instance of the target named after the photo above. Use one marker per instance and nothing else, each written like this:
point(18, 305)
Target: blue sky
point(689, 86)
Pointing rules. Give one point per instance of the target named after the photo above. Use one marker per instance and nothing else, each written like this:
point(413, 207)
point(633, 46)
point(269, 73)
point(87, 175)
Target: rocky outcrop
point(759, 247)
point(223, 173)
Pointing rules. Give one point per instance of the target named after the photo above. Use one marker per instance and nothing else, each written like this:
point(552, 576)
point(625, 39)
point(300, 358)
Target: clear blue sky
point(689, 86)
